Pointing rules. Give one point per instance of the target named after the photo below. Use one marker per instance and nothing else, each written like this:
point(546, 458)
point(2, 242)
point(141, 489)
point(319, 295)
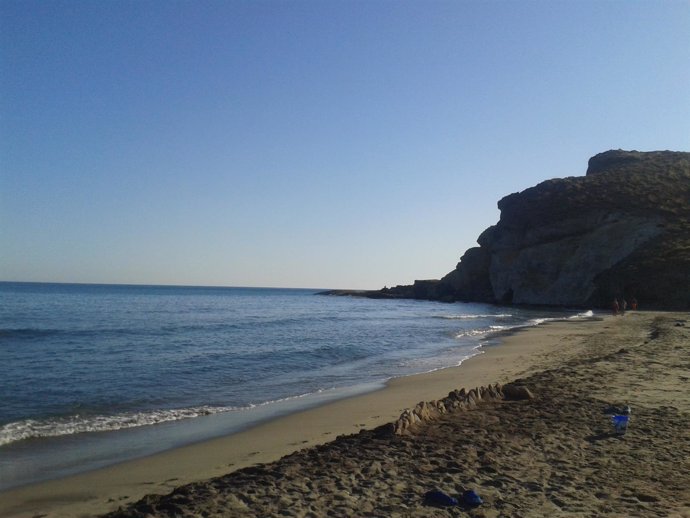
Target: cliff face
point(623, 230)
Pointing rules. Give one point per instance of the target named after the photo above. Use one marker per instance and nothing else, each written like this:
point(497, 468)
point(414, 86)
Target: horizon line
point(148, 285)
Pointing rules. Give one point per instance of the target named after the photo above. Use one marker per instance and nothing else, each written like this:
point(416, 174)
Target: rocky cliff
point(623, 230)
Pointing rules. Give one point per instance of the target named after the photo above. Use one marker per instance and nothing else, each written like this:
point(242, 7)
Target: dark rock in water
point(346, 293)
point(621, 231)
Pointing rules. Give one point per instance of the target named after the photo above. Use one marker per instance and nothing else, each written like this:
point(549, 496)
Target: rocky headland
point(620, 231)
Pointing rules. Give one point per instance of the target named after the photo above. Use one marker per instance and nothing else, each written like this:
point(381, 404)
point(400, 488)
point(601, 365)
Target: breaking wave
point(75, 424)
point(69, 425)
point(482, 332)
point(474, 317)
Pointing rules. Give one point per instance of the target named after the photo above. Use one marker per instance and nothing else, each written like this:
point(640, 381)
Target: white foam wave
point(75, 424)
point(473, 333)
point(69, 425)
point(579, 316)
point(427, 365)
point(473, 317)
point(537, 321)
point(485, 331)
point(586, 314)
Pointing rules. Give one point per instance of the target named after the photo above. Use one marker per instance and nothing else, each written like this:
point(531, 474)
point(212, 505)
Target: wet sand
point(553, 455)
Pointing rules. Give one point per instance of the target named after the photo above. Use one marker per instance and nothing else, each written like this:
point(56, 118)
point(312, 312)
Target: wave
point(436, 363)
point(38, 333)
point(473, 317)
point(482, 332)
point(586, 314)
point(579, 316)
point(28, 333)
point(478, 333)
point(75, 424)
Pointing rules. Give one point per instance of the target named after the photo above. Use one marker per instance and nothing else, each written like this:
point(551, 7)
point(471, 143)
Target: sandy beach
point(553, 455)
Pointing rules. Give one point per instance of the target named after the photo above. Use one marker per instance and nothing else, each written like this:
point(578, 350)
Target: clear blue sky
point(350, 144)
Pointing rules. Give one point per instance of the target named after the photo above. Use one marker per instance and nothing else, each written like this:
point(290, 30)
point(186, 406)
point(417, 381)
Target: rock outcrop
point(623, 230)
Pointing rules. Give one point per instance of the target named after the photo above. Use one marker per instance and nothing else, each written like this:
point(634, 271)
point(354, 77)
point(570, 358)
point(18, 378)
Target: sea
point(91, 375)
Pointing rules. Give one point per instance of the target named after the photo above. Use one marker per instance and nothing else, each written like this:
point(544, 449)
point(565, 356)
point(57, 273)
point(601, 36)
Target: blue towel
point(440, 498)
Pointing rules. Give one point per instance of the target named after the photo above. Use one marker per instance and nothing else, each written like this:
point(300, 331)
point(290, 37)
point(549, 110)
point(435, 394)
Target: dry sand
point(553, 455)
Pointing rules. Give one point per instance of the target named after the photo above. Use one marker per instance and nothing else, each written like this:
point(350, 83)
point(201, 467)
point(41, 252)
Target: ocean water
point(94, 374)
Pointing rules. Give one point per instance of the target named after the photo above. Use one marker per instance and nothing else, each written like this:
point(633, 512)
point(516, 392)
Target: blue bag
point(620, 422)
point(471, 498)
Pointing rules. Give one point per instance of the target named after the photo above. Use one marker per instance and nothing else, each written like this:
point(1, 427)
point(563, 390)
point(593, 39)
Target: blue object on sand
point(471, 498)
point(439, 498)
point(620, 422)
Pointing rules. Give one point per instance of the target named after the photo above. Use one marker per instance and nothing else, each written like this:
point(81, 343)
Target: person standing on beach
point(624, 306)
point(615, 307)
point(633, 304)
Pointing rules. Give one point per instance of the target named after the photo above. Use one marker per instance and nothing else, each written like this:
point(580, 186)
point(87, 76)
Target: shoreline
point(113, 446)
point(521, 352)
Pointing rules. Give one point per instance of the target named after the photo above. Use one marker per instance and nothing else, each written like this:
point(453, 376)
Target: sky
point(309, 143)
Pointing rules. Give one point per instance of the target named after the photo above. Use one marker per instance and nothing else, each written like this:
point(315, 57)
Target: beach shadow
point(435, 505)
point(605, 435)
